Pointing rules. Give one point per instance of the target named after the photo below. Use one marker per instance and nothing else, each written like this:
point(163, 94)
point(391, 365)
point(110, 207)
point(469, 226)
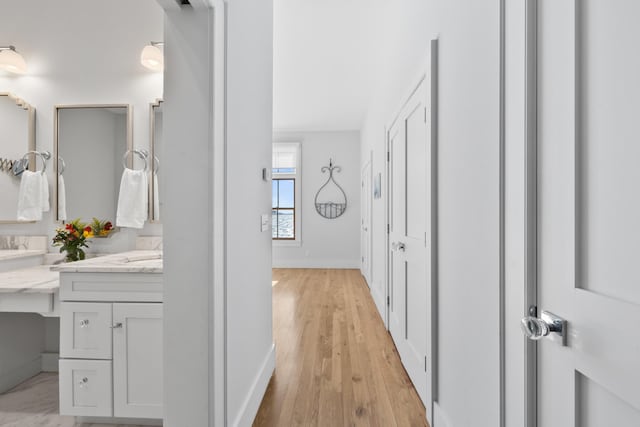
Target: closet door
point(588, 209)
point(409, 225)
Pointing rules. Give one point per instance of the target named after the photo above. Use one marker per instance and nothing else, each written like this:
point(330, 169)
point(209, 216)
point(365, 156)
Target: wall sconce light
point(152, 57)
point(12, 61)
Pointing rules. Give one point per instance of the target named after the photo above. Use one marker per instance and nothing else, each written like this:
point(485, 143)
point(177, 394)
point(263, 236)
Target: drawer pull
point(84, 381)
point(117, 326)
point(84, 323)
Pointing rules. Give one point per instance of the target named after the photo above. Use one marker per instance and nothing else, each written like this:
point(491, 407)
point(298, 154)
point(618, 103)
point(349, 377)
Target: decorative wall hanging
point(331, 201)
point(377, 186)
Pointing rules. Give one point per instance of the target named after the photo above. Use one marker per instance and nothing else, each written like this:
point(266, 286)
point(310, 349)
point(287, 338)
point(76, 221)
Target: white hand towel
point(133, 200)
point(62, 199)
point(156, 198)
point(45, 193)
point(30, 196)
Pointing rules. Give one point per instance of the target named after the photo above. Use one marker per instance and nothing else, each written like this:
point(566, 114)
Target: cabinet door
point(85, 330)
point(137, 360)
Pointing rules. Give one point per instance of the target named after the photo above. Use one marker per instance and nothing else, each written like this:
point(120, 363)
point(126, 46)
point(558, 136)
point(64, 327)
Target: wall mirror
point(155, 130)
point(90, 146)
point(17, 137)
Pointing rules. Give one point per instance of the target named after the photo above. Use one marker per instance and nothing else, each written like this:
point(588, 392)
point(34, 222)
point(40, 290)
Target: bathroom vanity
point(111, 336)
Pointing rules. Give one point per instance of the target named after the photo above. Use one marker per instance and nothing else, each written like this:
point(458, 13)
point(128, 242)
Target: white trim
point(367, 274)
point(312, 129)
point(118, 421)
point(440, 419)
point(169, 4)
point(250, 406)
point(339, 263)
point(218, 295)
point(298, 193)
point(531, 206)
point(287, 243)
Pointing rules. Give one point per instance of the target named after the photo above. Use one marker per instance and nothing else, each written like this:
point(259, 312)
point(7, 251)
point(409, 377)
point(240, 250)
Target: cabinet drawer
point(85, 330)
point(86, 388)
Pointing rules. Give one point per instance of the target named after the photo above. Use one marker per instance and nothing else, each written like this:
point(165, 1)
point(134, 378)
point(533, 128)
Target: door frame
point(429, 76)
point(369, 199)
point(531, 208)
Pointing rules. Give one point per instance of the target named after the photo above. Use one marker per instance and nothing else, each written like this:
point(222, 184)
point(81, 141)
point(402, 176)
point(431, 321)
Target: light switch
point(265, 222)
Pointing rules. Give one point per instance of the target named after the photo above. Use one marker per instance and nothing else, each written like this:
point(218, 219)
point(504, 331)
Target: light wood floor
point(336, 365)
point(34, 403)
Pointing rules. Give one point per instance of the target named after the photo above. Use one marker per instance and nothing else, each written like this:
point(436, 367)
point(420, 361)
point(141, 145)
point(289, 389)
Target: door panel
point(409, 255)
point(137, 360)
point(588, 210)
point(608, 127)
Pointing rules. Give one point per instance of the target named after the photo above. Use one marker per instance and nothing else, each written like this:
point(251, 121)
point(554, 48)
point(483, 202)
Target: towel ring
point(44, 155)
point(61, 165)
point(156, 164)
point(140, 154)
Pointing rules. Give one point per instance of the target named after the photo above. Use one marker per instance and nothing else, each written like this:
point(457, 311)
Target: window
point(284, 209)
point(285, 188)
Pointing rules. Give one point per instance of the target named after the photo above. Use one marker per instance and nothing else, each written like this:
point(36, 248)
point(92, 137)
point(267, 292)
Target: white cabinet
point(111, 350)
point(137, 360)
point(86, 388)
point(85, 330)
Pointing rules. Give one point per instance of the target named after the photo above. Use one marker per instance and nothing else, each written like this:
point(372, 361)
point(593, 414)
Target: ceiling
point(324, 63)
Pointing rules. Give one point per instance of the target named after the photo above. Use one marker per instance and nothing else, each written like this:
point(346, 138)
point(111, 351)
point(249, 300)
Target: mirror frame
point(31, 138)
point(152, 149)
point(56, 150)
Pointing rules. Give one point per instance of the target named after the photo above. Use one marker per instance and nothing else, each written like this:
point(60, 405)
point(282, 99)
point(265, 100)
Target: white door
point(409, 225)
point(137, 360)
point(365, 223)
point(588, 214)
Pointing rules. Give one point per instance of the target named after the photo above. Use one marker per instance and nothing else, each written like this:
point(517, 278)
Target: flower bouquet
point(101, 228)
point(72, 238)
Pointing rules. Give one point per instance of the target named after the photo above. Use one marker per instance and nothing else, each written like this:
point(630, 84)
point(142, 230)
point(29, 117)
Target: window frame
point(297, 182)
point(295, 203)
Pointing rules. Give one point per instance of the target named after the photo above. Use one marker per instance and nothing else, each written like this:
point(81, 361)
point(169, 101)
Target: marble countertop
point(38, 279)
point(125, 262)
point(8, 254)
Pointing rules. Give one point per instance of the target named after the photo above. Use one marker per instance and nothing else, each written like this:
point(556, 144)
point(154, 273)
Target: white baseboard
point(250, 407)
point(440, 419)
point(118, 421)
point(380, 301)
point(316, 263)
point(20, 374)
point(50, 362)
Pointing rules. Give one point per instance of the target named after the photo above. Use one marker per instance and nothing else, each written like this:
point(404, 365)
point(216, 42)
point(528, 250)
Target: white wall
point(325, 243)
point(217, 272)
point(187, 256)
point(250, 351)
point(81, 52)
point(467, 390)
point(23, 340)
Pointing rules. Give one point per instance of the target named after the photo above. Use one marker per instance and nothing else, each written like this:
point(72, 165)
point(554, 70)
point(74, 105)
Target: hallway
point(336, 364)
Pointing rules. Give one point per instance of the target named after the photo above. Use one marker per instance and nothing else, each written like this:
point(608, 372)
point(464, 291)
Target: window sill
point(286, 243)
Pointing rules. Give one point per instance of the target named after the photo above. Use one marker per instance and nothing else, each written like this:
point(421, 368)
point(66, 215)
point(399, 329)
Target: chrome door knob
point(547, 324)
point(398, 246)
point(534, 328)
